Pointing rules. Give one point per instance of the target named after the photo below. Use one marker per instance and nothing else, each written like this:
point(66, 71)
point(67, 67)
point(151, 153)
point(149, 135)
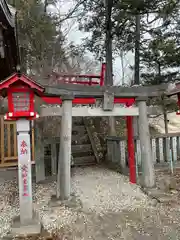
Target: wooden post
point(2, 141)
point(131, 153)
point(64, 163)
point(9, 139)
point(39, 151)
point(32, 141)
point(135, 126)
point(53, 158)
point(147, 161)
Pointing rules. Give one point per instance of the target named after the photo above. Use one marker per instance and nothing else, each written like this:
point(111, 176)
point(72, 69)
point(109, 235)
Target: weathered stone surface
point(29, 229)
point(72, 202)
point(166, 199)
point(160, 196)
point(154, 193)
point(167, 184)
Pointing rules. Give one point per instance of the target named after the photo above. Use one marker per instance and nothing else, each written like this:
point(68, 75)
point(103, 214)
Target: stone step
point(81, 148)
point(86, 160)
point(80, 139)
point(160, 195)
point(77, 130)
point(77, 121)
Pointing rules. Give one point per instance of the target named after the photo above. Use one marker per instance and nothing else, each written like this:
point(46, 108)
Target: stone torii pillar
point(146, 151)
point(64, 162)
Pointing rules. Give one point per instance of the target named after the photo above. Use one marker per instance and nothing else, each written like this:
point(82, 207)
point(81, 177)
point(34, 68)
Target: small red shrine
point(20, 92)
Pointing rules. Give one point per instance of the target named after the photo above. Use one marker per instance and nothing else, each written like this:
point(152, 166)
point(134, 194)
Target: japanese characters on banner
point(24, 161)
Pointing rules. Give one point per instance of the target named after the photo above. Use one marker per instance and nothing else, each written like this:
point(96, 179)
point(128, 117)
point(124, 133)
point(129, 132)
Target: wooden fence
point(165, 149)
point(8, 143)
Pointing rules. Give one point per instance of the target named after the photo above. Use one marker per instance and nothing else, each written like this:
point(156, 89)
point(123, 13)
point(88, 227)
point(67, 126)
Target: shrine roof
point(10, 58)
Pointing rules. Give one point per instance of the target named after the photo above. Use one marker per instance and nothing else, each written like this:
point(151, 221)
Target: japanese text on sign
point(24, 170)
point(24, 150)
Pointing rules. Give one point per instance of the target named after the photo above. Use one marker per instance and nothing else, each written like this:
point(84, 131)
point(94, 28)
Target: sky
point(70, 29)
point(72, 33)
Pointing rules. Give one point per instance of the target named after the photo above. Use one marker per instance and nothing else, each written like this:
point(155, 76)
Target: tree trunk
point(165, 121)
point(23, 57)
point(45, 6)
point(122, 67)
point(137, 51)
point(109, 68)
point(136, 67)
point(163, 105)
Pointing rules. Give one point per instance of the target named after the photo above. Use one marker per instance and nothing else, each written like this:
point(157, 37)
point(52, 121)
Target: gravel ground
point(112, 209)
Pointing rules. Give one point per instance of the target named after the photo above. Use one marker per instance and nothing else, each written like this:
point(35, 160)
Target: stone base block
point(27, 229)
point(72, 202)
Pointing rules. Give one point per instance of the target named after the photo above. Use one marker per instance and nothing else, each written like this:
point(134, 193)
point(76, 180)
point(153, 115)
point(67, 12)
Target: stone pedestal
point(31, 228)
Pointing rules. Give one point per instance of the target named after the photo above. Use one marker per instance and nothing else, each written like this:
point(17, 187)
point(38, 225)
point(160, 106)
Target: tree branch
point(69, 15)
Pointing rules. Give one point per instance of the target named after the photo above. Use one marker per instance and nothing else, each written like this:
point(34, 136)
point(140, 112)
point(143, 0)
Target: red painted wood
point(18, 116)
point(11, 105)
point(14, 79)
point(57, 100)
point(128, 101)
point(75, 78)
point(59, 75)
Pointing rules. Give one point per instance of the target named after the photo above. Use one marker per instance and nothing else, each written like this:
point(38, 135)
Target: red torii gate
point(129, 123)
point(65, 78)
point(128, 102)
